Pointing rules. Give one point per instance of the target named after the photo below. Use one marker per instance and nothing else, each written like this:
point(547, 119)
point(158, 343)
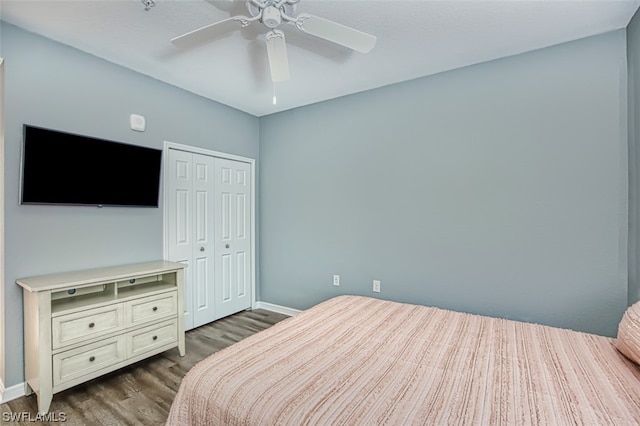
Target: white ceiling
point(415, 38)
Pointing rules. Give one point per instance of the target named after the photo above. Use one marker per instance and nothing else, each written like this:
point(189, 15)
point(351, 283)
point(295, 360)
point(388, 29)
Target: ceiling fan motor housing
point(271, 17)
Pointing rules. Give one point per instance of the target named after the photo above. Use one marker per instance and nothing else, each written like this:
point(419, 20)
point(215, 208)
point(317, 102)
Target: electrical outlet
point(376, 286)
point(336, 280)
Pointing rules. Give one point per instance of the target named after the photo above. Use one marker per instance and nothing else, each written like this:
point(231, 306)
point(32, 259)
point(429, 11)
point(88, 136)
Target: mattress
point(361, 361)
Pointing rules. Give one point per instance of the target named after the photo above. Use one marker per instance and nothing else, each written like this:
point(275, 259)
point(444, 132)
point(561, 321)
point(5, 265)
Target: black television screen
point(63, 168)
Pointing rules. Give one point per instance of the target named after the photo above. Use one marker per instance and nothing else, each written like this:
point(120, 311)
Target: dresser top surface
point(60, 280)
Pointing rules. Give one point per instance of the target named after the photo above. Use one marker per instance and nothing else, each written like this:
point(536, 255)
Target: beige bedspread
point(356, 360)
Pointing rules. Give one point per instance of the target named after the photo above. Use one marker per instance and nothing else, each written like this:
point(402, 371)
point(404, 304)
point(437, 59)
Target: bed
point(361, 361)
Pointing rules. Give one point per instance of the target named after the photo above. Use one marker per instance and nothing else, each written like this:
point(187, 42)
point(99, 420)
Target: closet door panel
point(233, 240)
point(190, 231)
point(179, 218)
point(203, 235)
point(242, 252)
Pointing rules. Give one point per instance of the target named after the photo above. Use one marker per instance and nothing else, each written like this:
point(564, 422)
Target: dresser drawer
point(151, 308)
point(149, 338)
point(87, 359)
point(85, 325)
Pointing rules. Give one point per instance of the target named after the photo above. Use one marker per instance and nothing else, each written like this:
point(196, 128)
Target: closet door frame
point(195, 150)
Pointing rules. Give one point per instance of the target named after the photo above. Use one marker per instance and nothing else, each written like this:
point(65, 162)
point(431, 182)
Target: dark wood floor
point(141, 394)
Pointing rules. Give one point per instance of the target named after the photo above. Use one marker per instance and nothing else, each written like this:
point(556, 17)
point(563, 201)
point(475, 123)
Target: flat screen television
point(68, 169)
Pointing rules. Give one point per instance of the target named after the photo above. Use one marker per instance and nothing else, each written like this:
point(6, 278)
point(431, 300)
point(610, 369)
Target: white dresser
point(80, 325)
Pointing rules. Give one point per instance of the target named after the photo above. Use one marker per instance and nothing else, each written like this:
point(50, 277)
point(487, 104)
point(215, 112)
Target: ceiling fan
point(273, 14)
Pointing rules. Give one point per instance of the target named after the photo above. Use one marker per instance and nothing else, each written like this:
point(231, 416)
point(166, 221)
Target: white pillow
point(628, 342)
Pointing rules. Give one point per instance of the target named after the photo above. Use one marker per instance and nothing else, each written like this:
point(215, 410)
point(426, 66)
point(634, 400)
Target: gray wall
point(633, 52)
point(497, 189)
point(54, 86)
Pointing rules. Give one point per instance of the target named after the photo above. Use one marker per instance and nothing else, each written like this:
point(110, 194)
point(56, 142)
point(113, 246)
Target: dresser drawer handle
point(91, 325)
point(155, 308)
point(155, 337)
point(92, 358)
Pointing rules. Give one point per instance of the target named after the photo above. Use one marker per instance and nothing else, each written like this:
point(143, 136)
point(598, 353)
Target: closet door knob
point(155, 308)
point(155, 337)
point(92, 358)
point(201, 248)
point(91, 325)
point(227, 246)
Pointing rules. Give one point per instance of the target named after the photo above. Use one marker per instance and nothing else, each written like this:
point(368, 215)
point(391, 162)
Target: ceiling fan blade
point(210, 32)
point(277, 52)
point(336, 33)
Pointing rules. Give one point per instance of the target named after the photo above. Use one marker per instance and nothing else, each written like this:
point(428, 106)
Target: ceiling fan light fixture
point(271, 17)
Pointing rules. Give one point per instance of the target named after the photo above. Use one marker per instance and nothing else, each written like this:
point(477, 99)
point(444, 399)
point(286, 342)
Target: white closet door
point(190, 231)
point(203, 254)
point(233, 238)
point(179, 214)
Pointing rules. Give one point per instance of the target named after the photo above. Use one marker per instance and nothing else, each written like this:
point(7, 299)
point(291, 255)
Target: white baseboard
point(277, 308)
point(11, 393)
